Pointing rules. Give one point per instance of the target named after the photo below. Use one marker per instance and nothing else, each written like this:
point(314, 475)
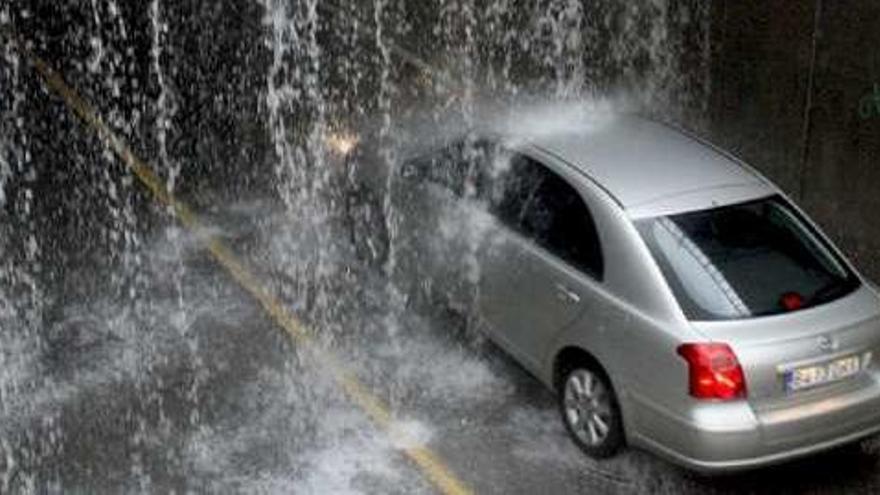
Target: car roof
point(641, 163)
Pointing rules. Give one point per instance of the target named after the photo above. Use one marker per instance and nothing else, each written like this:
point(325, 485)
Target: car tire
point(590, 411)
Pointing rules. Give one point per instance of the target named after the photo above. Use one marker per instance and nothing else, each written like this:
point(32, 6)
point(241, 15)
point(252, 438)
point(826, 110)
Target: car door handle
point(566, 294)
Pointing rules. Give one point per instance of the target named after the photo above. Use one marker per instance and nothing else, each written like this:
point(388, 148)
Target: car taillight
point(715, 372)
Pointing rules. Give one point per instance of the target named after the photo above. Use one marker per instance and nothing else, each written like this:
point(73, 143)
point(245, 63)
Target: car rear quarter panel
point(632, 324)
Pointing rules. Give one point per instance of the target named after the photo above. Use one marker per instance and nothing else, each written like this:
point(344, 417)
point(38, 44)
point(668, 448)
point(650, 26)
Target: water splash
point(326, 74)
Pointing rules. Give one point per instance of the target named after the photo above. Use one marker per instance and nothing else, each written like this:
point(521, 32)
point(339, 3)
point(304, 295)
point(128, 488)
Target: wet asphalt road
point(203, 393)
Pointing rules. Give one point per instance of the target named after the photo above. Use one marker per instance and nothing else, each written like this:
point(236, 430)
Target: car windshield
point(745, 260)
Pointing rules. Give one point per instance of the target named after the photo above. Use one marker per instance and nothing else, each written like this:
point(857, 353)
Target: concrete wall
point(793, 93)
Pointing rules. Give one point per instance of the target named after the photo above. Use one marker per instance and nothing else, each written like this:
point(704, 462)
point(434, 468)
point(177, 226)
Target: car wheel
point(590, 411)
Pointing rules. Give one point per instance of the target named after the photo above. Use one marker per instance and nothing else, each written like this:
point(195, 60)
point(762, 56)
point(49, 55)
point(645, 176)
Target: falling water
point(386, 156)
point(166, 109)
point(21, 290)
point(195, 391)
point(296, 123)
point(564, 23)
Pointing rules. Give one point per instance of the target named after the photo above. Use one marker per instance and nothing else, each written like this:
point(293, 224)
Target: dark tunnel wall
point(796, 93)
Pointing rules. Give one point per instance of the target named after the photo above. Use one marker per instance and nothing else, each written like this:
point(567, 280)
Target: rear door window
point(542, 206)
point(514, 189)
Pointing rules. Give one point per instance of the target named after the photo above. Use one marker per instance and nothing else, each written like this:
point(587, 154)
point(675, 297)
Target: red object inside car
point(792, 301)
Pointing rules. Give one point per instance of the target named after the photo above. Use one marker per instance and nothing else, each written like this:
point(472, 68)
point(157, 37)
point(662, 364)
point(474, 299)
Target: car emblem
point(827, 344)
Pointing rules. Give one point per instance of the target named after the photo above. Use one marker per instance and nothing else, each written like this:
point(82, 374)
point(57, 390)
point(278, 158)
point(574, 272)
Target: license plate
point(820, 374)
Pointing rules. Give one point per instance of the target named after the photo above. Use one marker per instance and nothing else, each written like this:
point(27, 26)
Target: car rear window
point(745, 260)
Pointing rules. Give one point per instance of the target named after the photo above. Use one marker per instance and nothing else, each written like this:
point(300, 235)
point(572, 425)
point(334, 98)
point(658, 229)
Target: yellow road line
point(427, 461)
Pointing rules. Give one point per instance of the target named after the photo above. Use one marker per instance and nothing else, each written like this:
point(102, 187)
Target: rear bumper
point(729, 437)
point(746, 463)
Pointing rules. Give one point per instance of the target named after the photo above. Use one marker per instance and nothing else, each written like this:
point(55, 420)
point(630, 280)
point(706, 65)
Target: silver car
point(673, 297)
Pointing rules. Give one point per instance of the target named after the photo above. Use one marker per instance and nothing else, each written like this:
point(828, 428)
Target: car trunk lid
point(770, 347)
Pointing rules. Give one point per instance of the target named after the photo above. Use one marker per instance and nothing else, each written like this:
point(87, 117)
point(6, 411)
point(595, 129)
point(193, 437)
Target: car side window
point(442, 167)
point(460, 167)
point(543, 207)
point(513, 190)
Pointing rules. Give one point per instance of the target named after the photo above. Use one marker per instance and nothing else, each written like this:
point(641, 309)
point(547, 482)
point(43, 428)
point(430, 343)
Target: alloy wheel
point(587, 407)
